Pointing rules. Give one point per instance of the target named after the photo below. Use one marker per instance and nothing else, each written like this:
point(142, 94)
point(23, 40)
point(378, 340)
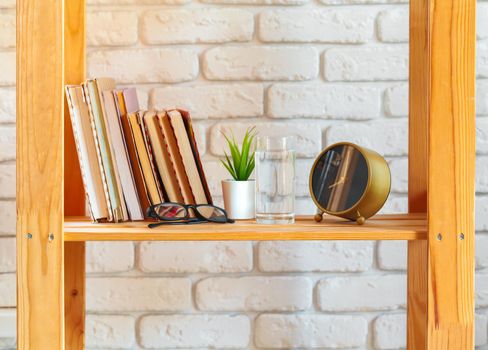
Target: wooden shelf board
point(380, 227)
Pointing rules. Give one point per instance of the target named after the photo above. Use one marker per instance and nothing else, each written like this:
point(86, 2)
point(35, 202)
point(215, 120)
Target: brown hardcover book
point(150, 153)
point(143, 158)
point(162, 158)
point(196, 154)
point(174, 153)
point(180, 120)
point(131, 150)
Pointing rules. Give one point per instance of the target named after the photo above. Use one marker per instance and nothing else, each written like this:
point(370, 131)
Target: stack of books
point(130, 158)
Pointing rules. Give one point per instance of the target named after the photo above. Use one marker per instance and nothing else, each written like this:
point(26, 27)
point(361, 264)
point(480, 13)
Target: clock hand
point(341, 181)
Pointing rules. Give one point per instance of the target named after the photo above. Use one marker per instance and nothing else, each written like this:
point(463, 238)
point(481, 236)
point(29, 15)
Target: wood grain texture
point(74, 73)
point(74, 295)
point(417, 295)
point(398, 227)
point(74, 192)
point(40, 309)
point(451, 175)
point(419, 88)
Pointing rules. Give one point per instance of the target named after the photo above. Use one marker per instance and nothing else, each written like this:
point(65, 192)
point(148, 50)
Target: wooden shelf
point(51, 292)
point(381, 227)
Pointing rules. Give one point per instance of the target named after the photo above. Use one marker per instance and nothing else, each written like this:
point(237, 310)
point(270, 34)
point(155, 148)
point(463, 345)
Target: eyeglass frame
point(151, 212)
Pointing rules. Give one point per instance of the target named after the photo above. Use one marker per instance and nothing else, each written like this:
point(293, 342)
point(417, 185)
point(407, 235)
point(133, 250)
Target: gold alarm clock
point(349, 181)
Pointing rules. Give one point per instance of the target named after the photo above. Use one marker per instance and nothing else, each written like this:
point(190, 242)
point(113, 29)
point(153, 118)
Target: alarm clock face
point(339, 178)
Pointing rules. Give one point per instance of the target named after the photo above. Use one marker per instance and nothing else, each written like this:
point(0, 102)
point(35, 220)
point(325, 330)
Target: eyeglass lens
point(212, 213)
point(171, 211)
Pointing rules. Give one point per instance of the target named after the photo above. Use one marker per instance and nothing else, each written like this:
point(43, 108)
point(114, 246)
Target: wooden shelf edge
point(381, 227)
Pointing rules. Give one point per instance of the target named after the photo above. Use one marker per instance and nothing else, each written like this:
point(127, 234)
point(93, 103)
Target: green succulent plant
point(241, 162)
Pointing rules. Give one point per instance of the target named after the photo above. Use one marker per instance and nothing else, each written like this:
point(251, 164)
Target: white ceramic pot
point(239, 199)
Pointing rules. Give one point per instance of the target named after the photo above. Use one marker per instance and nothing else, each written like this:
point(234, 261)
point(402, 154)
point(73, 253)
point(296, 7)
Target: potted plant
point(239, 192)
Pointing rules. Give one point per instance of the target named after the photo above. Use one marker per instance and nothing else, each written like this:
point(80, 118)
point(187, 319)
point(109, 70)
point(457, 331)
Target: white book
point(122, 163)
point(87, 152)
point(98, 86)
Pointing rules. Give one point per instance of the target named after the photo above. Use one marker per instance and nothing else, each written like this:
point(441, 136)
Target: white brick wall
point(212, 101)
point(390, 136)
point(393, 25)
point(308, 136)
point(390, 331)
point(362, 293)
point(138, 294)
point(110, 332)
point(111, 28)
point(312, 69)
point(366, 64)
point(261, 63)
point(7, 328)
point(7, 73)
point(196, 26)
point(329, 26)
point(7, 140)
point(254, 293)
point(105, 256)
point(7, 289)
point(7, 255)
point(7, 28)
point(195, 331)
point(315, 256)
point(7, 105)
point(323, 101)
point(147, 66)
point(277, 331)
point(187, 257)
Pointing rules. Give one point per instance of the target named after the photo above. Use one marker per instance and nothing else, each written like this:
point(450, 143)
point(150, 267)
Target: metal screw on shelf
point(51, 237)
point(439, 237)
point(28, 235)
point(461, 236)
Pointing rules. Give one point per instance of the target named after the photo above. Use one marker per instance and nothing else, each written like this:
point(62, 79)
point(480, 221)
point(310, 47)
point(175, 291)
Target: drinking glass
point(275, 180)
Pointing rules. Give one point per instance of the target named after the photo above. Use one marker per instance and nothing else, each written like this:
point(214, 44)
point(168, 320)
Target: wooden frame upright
point(51, 255)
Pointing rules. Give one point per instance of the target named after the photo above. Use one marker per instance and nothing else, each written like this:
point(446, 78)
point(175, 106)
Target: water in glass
point(275, 180)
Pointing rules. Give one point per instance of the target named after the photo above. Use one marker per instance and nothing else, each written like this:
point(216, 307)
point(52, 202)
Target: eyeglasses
point(177, 213)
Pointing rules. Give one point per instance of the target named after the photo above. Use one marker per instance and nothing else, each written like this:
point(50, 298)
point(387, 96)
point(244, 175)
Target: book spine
point(175, 158)
point(196, 153)
point(86, 96)
point(172, 166)
point(150, 154)
point(106, 153)
point(78, 151)
point(135, 161)
point(121, 162)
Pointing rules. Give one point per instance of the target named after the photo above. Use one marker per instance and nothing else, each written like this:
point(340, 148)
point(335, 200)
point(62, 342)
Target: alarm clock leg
point(360, 220)
point(319, 216)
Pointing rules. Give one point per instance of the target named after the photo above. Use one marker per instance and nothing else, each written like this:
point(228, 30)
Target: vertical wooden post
point(451, 174)
point(441, 273)
point(419, 79)
point(74, 295)
point(40, 137)
point(74, 198)
point(74, 73)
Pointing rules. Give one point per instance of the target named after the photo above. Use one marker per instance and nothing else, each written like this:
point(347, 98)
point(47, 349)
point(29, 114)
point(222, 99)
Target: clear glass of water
point(275, 180)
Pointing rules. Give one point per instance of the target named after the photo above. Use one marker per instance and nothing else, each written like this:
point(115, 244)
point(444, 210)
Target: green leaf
point(244, 154)
point(234, 151)
point(229, 166)
point(228, 169)
point(242, 163)
point(250, 167)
